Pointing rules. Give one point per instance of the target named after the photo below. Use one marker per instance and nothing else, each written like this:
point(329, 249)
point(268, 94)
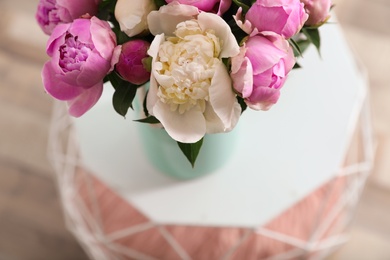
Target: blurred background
point(31, 221)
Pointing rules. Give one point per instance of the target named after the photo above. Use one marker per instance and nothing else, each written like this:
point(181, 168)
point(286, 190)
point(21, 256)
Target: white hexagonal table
point(283, 156)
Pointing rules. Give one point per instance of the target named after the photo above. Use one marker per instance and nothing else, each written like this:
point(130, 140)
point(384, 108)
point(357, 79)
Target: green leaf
point(123, 98)
point(242, 103)
point(124, 93)
point(297, 50)
point(244, 6)
point(191, 150)
point(159, 3)
point(144, 104)
point(106, 9)
point(313, 36)
point(297, 66)
point(147, 63)
point(149, 120)
point(115, 79)
point(303, 45)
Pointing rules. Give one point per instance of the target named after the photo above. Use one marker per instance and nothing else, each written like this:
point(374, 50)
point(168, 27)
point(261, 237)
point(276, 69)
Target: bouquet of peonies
point(206, 61)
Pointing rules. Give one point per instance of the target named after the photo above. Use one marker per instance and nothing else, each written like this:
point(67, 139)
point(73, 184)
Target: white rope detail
point(129, 231)
point(175, 245)
point(282, 237)
point(231, 251)
point(87, 225)
point(129, 252)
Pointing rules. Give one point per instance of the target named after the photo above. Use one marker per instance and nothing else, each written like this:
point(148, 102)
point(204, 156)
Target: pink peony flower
point(318, 11)
point(284, 17)
point(52, 12)
point(130, 65)
point(217, 6)
point(260, 70)
point(82, 53)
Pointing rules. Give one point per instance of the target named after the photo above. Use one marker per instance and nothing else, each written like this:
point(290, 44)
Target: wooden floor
point(31, 221)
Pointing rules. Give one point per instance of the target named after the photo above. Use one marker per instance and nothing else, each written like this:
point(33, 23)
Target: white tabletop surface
point(282, 155)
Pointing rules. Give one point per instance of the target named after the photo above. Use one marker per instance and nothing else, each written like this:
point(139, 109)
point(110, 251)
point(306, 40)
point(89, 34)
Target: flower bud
point(261, 68)
point(284, 17)
point(130, 65)
point(318, 11)
point(50, 13)
point(131, 15)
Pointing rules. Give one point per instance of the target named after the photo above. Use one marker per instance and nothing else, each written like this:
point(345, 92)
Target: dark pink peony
point(217, 6)
point(52, 12)
point(130, 65)
point(261, 69)
point(82, 53)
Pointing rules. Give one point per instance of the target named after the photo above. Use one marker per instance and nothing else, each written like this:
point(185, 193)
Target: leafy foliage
point(159, 3)
point(124, 93)
point(148, 120)
point(313, 36)
point(191, 150)
point(106, 9)
point(296, 47)
point(242, 103)
point(244, 4)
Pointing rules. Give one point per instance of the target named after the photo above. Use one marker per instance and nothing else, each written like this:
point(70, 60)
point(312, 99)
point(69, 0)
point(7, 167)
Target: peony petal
point(168, 16)
point(267, 18)
point(132, 15)
point(152, 97)
point(214, 124)
point(115, 57)
point(223, 99)
point(80, 7)
point(188, 127)
point(243, 78)
point(263, 79)
point(153, 52)
point(82, 29)
point(155, 46)
point(224, 5)
point(69, 77)
point(263, 98)
point(289, 60)
point(129, 18)
point(103, 38)
point(245, 25)
point(297, 17)
point(87, 99)
point(56, 87)
point(222, 30)
point(92, 71)
point(56, 39)
point(262, 53)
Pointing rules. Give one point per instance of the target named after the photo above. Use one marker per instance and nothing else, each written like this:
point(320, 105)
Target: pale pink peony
point(217, 6)
point(82, 53)
point(318, 11)
point(50, 13)
point(284, 17)
point(131, 15)
point(130, 65)
point(260, 70)
point(190, 88)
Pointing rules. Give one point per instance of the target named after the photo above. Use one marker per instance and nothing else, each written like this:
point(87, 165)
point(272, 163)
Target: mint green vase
point(165, 155)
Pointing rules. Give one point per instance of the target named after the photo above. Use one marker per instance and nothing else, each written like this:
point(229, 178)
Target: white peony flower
point(132, 15)
point(190, 89)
